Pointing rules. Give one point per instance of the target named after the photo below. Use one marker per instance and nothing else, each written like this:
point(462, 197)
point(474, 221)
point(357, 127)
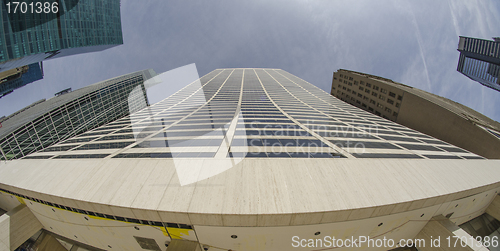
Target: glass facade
point(33, 74)
point(72, 114)
point(79, 24)
point(480, 61)
point(252, 113)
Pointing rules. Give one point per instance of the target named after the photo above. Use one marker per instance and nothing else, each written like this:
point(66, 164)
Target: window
point(382, 90)
point(363, 105)
point(349, 84)
point(370, 109)
point(380, 106)
point(357, 101)
point(360, 95)
point(341, 75)
point(344, 88)
point(361, 88)
point(348, 90)
point(355, 82)
point(373, 101)
point(397, 104)
point(374, 94)
point(375, 87)
point(365, 98)
point(367, 91)
point(387, 109)
point(400, 97)
point(392, 94)
point(361, 83)
point(381, 97)
point(390, 101)
point(395, 114)
point(368, 85)
point(350, 78)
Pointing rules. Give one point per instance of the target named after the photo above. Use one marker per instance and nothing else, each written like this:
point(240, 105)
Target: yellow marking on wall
point(180, 233)
point(176, 233)
point(20, 200)
point(163, 230)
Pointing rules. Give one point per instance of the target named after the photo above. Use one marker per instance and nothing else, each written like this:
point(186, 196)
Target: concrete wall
point(494, 208)
point(17, 226)
point(49, 243)
point(434, 120)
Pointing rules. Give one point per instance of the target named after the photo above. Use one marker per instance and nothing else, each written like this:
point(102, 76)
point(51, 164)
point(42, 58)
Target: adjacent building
point(480, 60)
point(248, 159)
point(425, 112)
point(47, 122)
point(19, 77)
point(77, 27)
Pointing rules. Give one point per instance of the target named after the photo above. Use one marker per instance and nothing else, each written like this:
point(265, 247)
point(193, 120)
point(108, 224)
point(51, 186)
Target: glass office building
point(33, 73)
point(64, 116)
point(480, 60)
point(79, 27)
point(246, 159)
point(284, 117)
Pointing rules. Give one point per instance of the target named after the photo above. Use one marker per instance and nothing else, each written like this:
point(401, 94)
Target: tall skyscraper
point(420, 110)
point(75, 26)
point(249, 159)
point(27, 74)
point(480, 60)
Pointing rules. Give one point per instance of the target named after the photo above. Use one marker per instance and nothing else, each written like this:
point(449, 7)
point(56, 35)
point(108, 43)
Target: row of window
point(378, 105)
point(105, 216)
point(82, 114)
point(373, 93)
point(313, 110)
point(282, 155)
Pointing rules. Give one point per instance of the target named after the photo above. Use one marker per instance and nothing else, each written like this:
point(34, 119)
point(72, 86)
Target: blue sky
point(412, 42)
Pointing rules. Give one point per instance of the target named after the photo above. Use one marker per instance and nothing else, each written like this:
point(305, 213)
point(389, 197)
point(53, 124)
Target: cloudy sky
point(412, 42)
